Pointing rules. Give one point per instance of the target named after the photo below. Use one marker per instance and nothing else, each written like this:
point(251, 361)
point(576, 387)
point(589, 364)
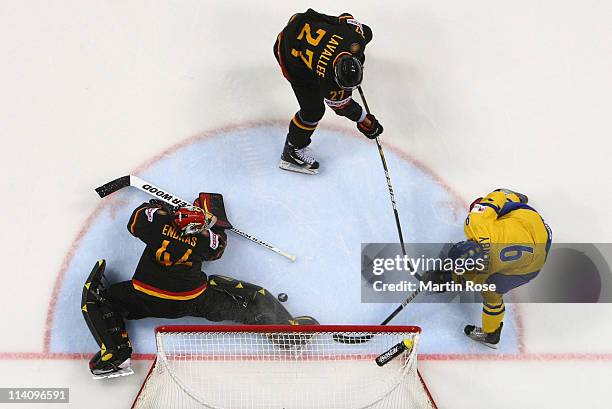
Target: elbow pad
point(348, 108)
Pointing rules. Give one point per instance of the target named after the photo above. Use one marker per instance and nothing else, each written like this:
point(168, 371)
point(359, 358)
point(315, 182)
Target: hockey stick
point(360, 339)
point(365, 338)
point(160, 194)
point(384, 163)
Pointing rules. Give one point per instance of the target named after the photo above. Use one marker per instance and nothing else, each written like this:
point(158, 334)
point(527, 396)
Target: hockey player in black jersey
point(322, 58)
point(169, 282)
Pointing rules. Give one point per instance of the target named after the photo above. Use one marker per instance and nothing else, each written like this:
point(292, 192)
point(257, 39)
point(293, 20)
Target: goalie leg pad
point(251, 304)
point(104, 322)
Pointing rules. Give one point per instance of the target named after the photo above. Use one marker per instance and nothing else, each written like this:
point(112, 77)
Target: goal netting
point(282, 367)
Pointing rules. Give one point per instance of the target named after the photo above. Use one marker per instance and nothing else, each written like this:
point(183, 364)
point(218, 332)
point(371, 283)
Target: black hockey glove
point(371, 131)
point(436, 277)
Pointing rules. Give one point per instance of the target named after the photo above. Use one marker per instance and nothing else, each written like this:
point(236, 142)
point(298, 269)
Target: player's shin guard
point(492, 316)
point(107, 327)
point(300, 131)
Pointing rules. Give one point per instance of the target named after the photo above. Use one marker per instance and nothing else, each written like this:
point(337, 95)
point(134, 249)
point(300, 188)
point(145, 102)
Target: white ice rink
point(473, 95)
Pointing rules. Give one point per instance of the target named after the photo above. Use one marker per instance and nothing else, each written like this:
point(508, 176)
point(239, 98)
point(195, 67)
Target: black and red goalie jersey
point(170, 266)
point(312, 42)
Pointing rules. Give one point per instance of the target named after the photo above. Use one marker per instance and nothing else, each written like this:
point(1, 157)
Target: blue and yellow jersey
point(512, 233)
point(515, 242)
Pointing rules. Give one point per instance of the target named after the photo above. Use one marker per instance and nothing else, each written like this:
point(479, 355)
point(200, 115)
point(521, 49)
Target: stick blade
point(112, 186)
point(346, 339)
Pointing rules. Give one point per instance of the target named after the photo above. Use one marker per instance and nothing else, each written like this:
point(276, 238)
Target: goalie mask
point(193, 220)
point(348, 71)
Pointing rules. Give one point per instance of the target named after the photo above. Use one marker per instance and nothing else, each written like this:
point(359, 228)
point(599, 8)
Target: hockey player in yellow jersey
point(512, 241)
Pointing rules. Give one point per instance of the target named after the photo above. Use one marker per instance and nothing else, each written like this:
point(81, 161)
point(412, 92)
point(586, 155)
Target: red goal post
point(278, 366)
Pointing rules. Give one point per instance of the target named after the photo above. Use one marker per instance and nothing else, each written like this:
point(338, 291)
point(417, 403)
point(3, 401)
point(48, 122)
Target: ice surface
point(486, 94)
point(323, 219)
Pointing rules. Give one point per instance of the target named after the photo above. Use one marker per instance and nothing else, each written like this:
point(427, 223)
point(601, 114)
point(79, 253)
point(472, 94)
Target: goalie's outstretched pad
point(93, 293)
point(254, 304)
point(105, 324)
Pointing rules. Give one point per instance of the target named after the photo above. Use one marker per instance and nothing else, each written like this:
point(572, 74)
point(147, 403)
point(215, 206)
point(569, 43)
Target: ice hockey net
point(276, 367)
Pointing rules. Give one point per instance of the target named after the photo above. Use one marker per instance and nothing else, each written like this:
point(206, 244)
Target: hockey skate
point(298, 160)
point(490, 339)
point(111, 364)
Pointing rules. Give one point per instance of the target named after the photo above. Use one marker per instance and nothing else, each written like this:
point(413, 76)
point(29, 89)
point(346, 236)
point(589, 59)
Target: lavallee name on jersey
point(327, 54)
point(166, 197)
point(173, 233)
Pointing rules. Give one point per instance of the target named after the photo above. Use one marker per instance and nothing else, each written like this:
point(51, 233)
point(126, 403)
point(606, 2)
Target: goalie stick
point(163, 195)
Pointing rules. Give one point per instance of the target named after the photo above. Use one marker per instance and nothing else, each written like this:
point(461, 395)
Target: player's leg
point(236, 300)
point(104, 311)
point(311, 111)
point(239, 301)
point(137, 305)
point(494, 309)
point(296, 156)
point(107, 327)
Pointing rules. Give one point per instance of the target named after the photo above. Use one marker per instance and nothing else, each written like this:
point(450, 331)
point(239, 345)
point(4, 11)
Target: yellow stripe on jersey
point(167, 295)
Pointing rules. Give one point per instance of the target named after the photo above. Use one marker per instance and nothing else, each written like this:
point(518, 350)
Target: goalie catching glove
point(370, 127)
point(193, 220)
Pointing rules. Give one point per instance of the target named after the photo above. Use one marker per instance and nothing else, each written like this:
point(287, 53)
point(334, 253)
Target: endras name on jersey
point(171, 231)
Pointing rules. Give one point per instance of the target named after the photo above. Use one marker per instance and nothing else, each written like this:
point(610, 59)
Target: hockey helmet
point(193, 220)
point(468, 249)
point(348, 71)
